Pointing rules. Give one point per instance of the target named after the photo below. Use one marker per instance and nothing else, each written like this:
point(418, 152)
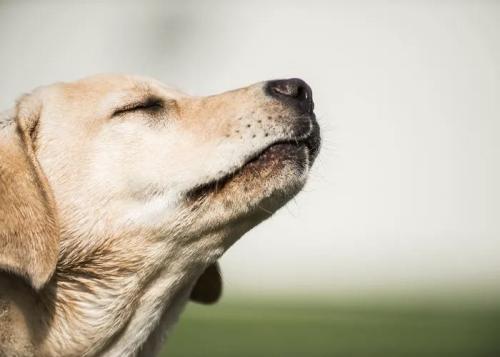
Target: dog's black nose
point(293, 91)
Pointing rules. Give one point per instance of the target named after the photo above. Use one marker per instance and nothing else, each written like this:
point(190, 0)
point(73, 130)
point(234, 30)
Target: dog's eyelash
point(150, 104)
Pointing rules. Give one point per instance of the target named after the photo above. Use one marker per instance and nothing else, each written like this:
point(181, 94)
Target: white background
point(405, 195)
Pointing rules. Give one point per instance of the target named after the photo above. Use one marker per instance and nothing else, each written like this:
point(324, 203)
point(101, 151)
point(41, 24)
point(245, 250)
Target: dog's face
point(123, 152)
point(140, 173)
point(119, 194)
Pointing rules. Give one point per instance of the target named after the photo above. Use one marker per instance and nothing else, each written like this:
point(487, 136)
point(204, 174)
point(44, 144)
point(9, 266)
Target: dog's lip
point(309, 141)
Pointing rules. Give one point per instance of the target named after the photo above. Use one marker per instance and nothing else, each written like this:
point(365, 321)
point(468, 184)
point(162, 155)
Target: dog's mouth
point(279, 152)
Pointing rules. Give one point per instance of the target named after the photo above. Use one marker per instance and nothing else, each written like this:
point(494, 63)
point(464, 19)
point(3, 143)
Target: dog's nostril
point(292, 91)
point(290, 88)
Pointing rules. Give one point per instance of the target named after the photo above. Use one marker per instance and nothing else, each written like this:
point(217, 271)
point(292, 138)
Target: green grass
point(247, 329)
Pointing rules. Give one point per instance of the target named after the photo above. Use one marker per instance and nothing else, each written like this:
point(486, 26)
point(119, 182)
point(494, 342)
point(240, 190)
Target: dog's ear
point(208, 287)
point(29, 231)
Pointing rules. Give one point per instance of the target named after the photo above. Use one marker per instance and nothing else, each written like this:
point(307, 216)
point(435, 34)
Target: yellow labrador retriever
point(118, 195)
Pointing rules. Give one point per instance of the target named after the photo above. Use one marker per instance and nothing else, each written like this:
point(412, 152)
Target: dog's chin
point(271, 180)
point(264, 183)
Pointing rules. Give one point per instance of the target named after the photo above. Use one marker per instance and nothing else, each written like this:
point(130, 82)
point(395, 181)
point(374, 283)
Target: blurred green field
point(251, 328)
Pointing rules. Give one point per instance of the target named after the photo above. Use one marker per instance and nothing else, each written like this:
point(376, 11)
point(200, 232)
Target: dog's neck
point(116, 303)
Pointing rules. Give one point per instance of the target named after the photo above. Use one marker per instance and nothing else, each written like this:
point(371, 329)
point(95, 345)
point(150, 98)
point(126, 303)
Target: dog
point(119, 194)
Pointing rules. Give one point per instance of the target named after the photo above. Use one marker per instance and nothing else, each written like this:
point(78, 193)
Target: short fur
point(117, 197)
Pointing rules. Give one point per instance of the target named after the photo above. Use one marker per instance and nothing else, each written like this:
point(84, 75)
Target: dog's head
point(111, 156)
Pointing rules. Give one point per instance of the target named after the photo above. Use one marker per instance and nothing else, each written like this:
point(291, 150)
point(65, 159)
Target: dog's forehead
point(105, 84)
point(101, 94)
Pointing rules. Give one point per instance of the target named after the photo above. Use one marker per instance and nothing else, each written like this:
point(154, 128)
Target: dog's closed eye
point(150, 104)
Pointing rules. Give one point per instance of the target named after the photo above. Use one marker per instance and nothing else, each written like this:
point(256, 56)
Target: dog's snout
point(292, 91)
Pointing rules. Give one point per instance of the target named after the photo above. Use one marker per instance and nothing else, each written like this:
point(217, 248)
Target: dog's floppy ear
point(208, 287)
point(29, 232)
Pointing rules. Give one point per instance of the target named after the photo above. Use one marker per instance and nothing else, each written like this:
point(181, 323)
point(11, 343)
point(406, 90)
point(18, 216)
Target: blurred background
point(393, 247)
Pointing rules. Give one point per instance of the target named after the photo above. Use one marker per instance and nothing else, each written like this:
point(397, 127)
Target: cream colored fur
point(111, 214)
